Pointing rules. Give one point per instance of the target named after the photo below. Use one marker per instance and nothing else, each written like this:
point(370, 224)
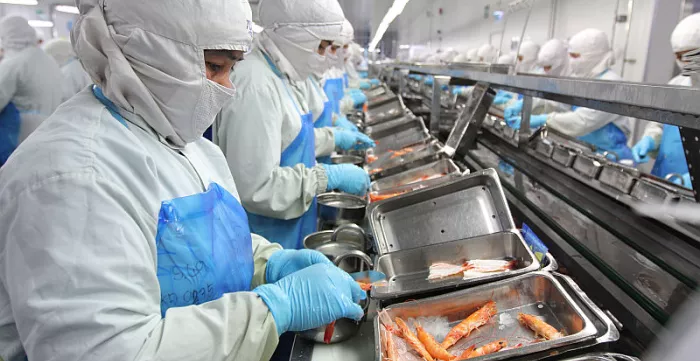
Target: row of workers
point(126, 234)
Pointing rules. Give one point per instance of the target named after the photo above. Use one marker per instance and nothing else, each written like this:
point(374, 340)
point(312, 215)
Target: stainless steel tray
point(545, 147)
point(381, 100)
point(388, 165)
point(396, 182)
point(415, 135)
point(407, 270)
point(536, 293)
point(387, 111)
point(471, 206)
point(618, 177)
point(392, 126)
point(377, 92)
point(588, 166)
point(564, 155)
point(602, 356)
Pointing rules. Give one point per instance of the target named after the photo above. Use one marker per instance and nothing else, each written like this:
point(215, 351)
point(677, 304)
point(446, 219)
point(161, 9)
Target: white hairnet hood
point(528, 52)
point(347, 33)
point(555, 53)
point(293, 30)
point(60, 50)
point(508, 59)
point(596, 56)
point(487, 53)
point(472, 56)
point(686, 35)
point(148, 57)
point(16, 34)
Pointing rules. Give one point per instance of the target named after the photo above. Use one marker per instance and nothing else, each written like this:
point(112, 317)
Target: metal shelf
point(660, 103)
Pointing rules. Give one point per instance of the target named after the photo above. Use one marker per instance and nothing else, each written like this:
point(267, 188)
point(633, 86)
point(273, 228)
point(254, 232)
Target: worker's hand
point(344, 123)
point(374, 81)
point(461, 90)
point(287, 261)
point(640, 151)
point(536, 121)
point(502, 97)
point(346, 140)
point(358, 99)
point(347, 178)
point(365, 84)
point(513, 110)
point(311, 298)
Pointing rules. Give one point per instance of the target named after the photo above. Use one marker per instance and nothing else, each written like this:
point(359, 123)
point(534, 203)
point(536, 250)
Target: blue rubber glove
point(374, 81)
point(347, 178)
point(687, 182)
point(536, 121)
point(358, 99)
point(513, 110)
point(344, 123)
point(365, 84)
point(287, 261)
point(428, 80)
point(502, 97)
point(640, 151)
point(346, 140)
point(311, 298)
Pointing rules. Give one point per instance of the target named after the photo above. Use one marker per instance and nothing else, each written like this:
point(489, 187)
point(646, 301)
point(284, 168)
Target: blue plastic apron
point(671, 158)
point(334, 91)
point(290, 233)
point(609, 138)
point(326, 118)
point(203, 242)
point(346, 80)
point(9, 131)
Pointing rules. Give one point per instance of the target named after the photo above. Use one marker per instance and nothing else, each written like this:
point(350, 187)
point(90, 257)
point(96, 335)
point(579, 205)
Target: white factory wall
point(462, 27)
point(62, 21)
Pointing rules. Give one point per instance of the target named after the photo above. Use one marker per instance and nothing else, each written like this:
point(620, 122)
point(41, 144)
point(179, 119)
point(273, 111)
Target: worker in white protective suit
point(75, 78)
point(553, 58)
point(335, 80)
point(590, 57)
point(527, 58)
point(267, 133)
point(508, 59)
point(487, 53)
point(353, 59)
point(30, 84)
point(124, 239)
point(665, 140)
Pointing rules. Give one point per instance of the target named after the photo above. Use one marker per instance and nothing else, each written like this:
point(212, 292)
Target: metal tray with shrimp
point(407, 270)
point(386, 111)
point(393, 126)
point(471, 206)
point(416, 134)
point(413, 157)
point(537, 293)
point(408, 178)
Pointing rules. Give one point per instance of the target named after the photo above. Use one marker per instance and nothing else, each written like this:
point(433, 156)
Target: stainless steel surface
point(321, 241)
point(381, 100)
point(619, 177)
point(545, 147)
point(468, 123)
point(387, 111)
point(376, 92)
point(407, 270)
point(588, 166)
point(392, 126)
point(397, 182)
point(536, 293)
point(482, 67)
point(471, 206)
point(415, 135)
point(393, 164)
point(344, 330)
point(564, 156)
point(550, 263)
point(526, 111)
point(602, 356)
point(340, 208)
point(347, 159)
point(436, 106)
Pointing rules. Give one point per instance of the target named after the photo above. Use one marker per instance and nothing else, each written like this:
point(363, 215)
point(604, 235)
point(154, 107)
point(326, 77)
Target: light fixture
point(40, 24)
point(404, 46)
point(391, 14)
point(19, 2)
point(67, 9)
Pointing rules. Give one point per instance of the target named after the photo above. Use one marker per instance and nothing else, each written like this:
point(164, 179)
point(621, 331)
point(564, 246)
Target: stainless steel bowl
point(347, 159)
point(335, 209)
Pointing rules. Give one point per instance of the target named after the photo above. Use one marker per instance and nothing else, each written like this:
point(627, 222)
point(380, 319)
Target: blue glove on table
point(346, 140)
point(287, 261)
point(513, 110)
point(374, 81)
point(365, 84)
point(536, 121)
point(502, 97)
point(348, 178)
point(312, 297)
point(358, 99)
point(640, 151)
point(344, 123)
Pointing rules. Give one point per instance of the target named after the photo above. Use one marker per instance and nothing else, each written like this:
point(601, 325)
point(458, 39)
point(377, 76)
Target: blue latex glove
point(502, 97)
point(640, 151)
point(687, 182)
point(536, 121)
point(365, 84)
point(344, 123)
point(287, 261)
point(358, 99)
point(428, 80)
point(513, 110)
point(312, 297)
point(374, 81)
point(346, 140)
point(348, 178)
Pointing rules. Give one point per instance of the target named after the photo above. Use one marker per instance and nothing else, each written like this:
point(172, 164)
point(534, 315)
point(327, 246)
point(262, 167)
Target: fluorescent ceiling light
point(67, 9)
point(40, 24)
point(404, 46)
point(19, 2)
point(391, 14)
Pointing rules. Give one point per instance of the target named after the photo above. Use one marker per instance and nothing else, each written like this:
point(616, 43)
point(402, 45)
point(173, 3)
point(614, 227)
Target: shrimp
point(412, 340)
point(328, 334)
point(371, 158)
point(431, 345)
point(486, 349)
point(365, 286)
point(388, 323)
point(391, 353)
point(443, 270)
point(471, 323)
point(491, 265)
point(376, 197)
point(540, 327)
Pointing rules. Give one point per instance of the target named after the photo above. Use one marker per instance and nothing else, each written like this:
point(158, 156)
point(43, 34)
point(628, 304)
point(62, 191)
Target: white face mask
point(211, 100)
point(332, 59)
point(317, 63)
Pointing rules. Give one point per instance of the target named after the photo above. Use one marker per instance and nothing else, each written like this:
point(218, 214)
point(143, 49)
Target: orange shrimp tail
point(434, 348)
